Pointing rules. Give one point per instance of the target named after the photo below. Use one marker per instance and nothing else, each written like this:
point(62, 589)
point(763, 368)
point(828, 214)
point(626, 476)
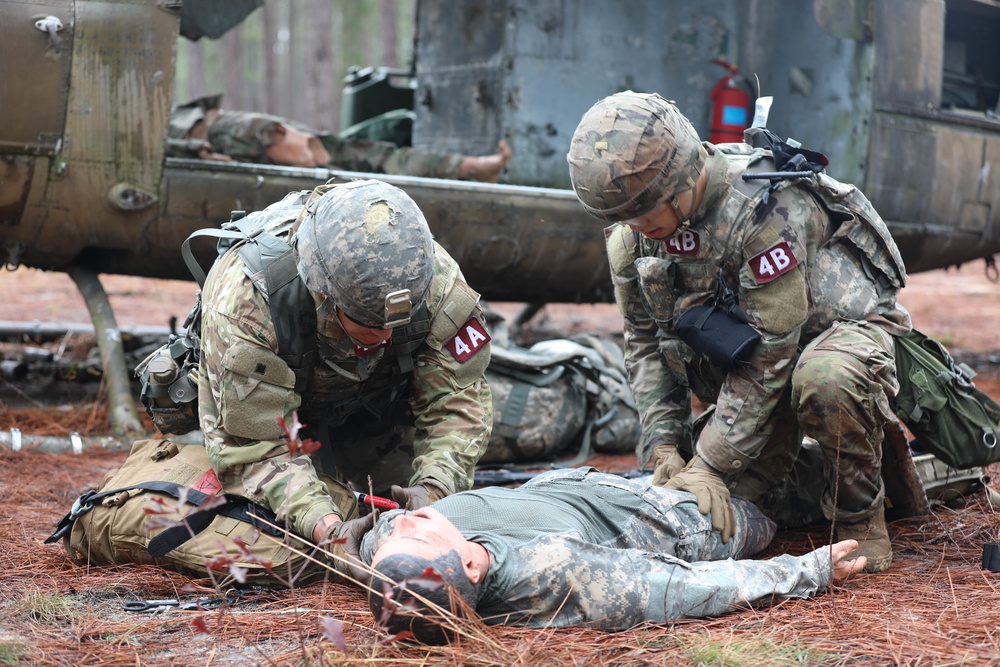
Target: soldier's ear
point(471, 571)
point(475, 568)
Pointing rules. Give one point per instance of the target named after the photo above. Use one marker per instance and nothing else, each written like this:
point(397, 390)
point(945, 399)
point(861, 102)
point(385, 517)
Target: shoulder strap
point(240, 227)
point(194, 267)
point(406, 339)
point(792, 161)
point(271, 266)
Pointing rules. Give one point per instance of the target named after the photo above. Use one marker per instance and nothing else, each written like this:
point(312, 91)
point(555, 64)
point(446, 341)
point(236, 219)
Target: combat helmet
point(630, 152)
point(366, 247)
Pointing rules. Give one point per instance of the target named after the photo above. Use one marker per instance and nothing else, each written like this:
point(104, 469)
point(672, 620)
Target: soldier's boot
point(873, 540)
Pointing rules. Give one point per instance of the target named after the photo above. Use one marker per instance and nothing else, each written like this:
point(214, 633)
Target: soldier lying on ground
point(201, 129)
point(578, 546)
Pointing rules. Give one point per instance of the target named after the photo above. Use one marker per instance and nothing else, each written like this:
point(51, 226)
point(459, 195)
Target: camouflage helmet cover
point(631, 150)
point(366, 246)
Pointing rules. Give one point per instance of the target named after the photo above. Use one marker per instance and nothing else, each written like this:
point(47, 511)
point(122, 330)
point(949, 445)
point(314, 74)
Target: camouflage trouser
point(839, 398)
point(383, 157)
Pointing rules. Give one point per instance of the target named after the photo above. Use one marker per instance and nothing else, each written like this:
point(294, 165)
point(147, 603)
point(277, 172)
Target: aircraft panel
point(35, 83)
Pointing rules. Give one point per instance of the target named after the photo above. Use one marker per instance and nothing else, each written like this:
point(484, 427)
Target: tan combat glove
point(343, 542)
point(415, 497)
point(706, 484)
point(667, 463)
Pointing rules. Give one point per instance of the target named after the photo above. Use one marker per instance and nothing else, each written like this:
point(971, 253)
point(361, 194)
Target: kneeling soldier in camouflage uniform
point(580, 547)
point(397, 391)
point(816, 284)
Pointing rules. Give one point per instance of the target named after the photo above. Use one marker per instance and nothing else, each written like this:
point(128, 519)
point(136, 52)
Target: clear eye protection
point(397, 311)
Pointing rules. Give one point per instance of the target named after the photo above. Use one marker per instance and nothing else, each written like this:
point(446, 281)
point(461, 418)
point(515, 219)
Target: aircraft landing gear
point(121, 404)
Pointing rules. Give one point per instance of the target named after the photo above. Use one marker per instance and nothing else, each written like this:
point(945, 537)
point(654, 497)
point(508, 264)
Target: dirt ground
point(936, 606)
point(959, 307)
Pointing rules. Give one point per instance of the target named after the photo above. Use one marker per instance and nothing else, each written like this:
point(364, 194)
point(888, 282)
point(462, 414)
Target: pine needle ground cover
point(935, 606)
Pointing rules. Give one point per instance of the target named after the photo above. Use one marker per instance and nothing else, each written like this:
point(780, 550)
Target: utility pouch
point(939, 403)
point(719, 330)
point(169, 378)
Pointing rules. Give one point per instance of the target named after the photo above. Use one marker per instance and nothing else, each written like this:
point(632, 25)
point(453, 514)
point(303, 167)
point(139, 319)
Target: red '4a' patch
point(471, 338)
point(773, 262)
point(209, 483)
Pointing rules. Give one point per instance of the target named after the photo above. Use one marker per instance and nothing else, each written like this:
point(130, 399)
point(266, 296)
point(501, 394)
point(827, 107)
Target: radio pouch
point(719, 330)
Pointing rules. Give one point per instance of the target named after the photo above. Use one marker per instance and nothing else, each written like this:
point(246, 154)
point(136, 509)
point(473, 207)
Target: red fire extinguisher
point(730, 107)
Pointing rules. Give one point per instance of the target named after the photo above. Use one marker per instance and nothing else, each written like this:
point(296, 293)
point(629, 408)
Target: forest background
point(290, 57)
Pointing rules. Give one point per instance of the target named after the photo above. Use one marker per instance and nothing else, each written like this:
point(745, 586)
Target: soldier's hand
point(415, 497)
point(706, 484)
point(842, 566)
point(667, 463)
point(342, 541)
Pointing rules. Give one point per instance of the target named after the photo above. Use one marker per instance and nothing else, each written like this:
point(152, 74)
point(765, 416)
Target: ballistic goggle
point(397, 311)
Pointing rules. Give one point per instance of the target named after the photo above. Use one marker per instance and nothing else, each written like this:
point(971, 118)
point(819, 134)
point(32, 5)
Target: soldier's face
point(425, 533)
point(658, 224)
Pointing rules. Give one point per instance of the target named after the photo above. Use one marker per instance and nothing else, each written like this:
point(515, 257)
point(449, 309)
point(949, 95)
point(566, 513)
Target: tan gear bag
point(112, 525)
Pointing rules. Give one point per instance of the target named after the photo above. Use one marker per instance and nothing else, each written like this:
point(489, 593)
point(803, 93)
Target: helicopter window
point(971, 56)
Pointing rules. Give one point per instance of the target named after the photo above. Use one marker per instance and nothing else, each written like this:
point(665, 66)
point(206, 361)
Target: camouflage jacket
point(797, 266)
point(244, 136)
point(244, 387)
point(577, 546)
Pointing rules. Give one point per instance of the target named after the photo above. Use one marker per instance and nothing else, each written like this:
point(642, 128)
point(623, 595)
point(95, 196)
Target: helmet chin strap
point(684, 221)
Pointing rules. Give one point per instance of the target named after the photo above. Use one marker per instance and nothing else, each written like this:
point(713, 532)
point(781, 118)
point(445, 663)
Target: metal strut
point(991, 269)
point(121, 404)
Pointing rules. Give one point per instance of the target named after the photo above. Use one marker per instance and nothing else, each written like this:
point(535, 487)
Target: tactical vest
point(270, 264)
point(380, 392)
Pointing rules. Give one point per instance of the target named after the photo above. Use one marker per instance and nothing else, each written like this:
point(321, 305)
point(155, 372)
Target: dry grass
point(934, 607)
point(84, 418)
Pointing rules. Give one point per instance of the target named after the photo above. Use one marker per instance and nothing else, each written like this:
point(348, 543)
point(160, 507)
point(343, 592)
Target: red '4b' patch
point(471, 338)
point(688, 242)
point(773, 262)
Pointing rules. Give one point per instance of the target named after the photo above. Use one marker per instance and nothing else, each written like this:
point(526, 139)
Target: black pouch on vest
point(719, 330)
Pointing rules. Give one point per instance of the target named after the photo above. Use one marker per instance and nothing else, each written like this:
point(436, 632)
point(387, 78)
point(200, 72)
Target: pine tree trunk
point(235, 97)
point(195, 76)
point(388, 22)
point(320, 78)
point(270, 46)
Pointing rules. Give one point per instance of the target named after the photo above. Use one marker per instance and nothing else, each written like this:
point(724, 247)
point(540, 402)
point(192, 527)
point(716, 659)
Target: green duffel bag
point(941, 406)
